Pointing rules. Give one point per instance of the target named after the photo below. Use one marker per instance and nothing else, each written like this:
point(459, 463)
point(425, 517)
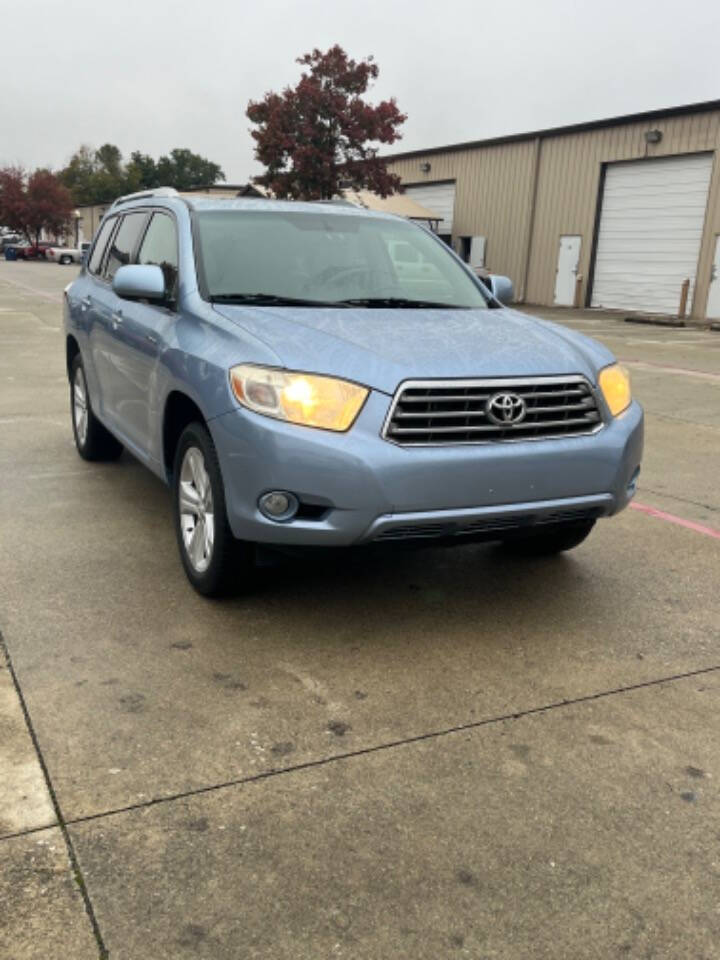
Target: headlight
point(303, 398)
point(615, 384)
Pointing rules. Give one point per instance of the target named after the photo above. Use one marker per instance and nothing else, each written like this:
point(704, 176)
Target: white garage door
point(650, 231)
point(439, 198)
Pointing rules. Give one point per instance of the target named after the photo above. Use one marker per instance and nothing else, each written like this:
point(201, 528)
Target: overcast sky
point(154, 74)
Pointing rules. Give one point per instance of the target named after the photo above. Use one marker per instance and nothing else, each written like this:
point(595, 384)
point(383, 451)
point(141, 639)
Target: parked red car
point(31, 251)
point(40, 248)
point(23, 251)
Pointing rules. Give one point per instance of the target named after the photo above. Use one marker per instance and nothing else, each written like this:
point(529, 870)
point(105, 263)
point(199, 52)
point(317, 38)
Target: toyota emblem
point(505, 409)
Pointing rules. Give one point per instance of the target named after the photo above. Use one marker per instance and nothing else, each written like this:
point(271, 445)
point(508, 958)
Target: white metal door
point(567, 268)
point(651, 226)
point(439, 198)
point(713, 304)
point(477, 252)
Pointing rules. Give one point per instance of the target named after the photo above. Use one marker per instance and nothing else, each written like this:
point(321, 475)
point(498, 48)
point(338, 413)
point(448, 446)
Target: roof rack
point(145, 194)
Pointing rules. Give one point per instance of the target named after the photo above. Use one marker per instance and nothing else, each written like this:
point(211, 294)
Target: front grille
point(485, 526)
point(451, 412)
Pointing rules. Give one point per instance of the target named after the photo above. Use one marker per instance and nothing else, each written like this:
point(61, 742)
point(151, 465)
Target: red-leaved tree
point(320, 134)
point(31, 203)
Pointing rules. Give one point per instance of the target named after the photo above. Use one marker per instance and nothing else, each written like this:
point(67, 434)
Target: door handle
point(151, 337)
point(85, 303)
point(116, 320)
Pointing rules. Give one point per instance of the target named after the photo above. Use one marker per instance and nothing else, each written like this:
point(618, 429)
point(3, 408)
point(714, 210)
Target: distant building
point(613, 213)
point(88, 217)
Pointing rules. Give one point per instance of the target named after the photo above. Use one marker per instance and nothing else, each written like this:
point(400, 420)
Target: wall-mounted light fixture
point(653, 136)
point(425, 167)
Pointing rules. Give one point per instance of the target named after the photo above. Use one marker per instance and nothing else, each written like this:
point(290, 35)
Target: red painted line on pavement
point(671, 518)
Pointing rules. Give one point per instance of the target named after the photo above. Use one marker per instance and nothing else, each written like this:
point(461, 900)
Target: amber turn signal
point(615, 384)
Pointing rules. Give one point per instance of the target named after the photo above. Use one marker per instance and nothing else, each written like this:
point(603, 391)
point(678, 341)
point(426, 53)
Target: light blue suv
point(319, 374)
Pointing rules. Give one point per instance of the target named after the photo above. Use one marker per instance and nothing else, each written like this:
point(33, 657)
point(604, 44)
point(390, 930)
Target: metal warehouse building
point(615, 213)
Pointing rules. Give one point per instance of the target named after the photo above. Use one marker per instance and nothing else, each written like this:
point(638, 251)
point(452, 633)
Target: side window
point(101, 242)
point(124, 243)
point(160, 249)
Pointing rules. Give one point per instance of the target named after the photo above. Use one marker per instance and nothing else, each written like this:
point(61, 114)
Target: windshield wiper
point(272, 300)
point(401, 303)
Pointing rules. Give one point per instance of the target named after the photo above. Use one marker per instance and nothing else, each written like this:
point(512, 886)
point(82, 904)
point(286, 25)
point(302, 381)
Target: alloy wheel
point(80, 406)
point(197, 517)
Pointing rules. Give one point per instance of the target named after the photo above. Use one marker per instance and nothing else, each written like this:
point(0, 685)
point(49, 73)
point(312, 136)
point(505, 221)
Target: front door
point(146, 329)
point(567, 268)
point(713, 304)
point(109, 335)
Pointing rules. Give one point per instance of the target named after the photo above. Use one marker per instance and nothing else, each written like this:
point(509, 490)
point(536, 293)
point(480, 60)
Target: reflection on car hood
point(382, 347)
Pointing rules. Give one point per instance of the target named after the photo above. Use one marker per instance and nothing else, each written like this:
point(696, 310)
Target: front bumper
point(375, 490)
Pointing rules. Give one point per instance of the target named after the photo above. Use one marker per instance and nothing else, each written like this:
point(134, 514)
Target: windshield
point(328, 258)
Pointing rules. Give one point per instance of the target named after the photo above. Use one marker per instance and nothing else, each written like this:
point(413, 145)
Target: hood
point(382, 347)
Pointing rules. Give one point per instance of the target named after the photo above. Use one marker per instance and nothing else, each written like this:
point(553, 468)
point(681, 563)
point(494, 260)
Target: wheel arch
point(180, 410)
point(72, 349)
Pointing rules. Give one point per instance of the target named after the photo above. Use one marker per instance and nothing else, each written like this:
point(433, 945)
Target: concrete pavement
point(372, 756)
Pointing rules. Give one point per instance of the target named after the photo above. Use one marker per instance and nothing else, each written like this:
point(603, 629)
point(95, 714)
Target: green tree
point(108, 179)
point(142, 171)
point(77, 176)
point(185, 170)
point(98, 176)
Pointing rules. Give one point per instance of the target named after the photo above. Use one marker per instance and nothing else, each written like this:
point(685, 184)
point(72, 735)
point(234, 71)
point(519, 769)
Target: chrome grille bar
point(432, 412)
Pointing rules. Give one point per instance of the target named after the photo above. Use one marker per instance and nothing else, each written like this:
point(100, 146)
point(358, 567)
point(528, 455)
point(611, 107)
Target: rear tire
point(92, 439)
point(215, 562)
point(65, 260)
point(551, 539)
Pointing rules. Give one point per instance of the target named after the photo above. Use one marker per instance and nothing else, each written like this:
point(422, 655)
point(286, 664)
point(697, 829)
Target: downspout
point(531, 219)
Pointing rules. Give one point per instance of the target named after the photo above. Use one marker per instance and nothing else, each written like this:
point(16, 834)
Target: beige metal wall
point(90, 217)
point(494, 190)
point(568, 181)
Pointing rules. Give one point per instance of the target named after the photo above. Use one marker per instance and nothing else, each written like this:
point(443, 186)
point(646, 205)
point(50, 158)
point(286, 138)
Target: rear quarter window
point(101, 241)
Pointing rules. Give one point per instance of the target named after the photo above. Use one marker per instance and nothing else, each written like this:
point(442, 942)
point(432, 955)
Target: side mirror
point(502, 288)
point(139, 282)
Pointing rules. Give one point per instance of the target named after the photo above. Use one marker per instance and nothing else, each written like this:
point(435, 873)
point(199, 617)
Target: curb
point(657, 321)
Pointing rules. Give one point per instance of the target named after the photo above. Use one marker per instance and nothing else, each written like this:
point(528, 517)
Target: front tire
point(92, 439)
point(65, 260)
point(554, 538)
point(215, 562)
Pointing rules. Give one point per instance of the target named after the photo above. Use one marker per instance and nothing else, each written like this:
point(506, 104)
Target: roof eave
point(647, 116)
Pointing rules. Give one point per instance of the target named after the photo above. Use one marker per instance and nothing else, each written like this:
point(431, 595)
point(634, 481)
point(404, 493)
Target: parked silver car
point(282, 369)
point(65, 255)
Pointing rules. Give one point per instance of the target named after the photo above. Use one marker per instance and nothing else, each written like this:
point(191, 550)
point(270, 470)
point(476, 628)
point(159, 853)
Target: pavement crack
point(394, 744)
point(672, 496)
point(62, 824)
point(27, 832)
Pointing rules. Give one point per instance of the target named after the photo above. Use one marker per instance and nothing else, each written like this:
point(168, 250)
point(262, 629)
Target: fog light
point(278, 505)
